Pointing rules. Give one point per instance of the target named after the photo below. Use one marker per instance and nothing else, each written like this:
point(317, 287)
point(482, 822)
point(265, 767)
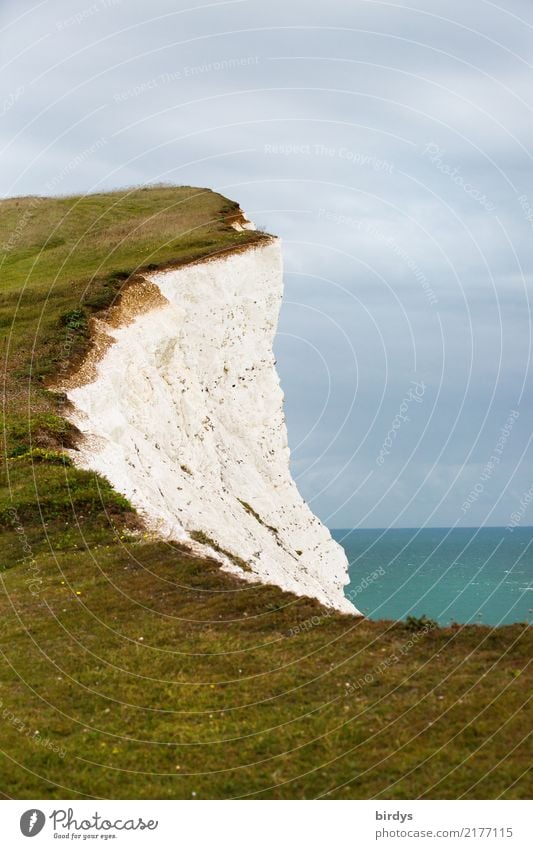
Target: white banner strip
point(267, 824)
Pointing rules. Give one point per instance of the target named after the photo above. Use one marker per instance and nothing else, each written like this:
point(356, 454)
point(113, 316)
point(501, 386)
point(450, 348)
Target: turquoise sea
point(465, 575)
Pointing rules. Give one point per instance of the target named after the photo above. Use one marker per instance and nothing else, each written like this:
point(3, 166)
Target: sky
point(388, 145)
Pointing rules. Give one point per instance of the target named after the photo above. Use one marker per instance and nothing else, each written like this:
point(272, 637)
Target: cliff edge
point(182, 412)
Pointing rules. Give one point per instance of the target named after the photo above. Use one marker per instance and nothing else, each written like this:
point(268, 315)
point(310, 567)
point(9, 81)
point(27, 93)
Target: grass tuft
point(204, 539)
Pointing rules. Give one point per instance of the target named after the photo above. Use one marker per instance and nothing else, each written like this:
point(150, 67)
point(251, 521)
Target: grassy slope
point(233, 689)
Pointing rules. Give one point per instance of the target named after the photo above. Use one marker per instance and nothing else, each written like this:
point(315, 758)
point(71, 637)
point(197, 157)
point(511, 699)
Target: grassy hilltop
point(130, 668)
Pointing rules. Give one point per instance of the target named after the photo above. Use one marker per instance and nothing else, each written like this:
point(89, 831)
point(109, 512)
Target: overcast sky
point(389, 146)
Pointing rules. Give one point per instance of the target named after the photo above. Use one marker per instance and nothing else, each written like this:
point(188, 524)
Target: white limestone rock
point(185, 418)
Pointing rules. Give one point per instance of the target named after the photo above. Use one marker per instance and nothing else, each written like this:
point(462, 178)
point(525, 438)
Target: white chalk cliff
point(183, 414)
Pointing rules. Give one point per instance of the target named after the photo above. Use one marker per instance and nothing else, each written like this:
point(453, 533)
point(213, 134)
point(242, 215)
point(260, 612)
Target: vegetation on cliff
point(131, 668)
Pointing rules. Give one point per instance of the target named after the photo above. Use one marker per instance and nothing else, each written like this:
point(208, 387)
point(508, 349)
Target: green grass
point(133, 669)
point(62, 259)
point(249, 509)
point(204, 539)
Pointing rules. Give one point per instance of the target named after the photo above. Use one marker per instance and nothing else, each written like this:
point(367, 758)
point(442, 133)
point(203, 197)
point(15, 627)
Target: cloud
point(389, 147)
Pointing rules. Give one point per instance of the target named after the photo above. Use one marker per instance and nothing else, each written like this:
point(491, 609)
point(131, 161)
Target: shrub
point(417, 623)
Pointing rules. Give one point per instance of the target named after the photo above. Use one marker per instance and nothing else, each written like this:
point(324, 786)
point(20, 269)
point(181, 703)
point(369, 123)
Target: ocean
point(482, 575)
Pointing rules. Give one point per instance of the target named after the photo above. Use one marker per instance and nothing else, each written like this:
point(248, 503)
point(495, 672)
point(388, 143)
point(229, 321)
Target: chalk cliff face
point(183, 413)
